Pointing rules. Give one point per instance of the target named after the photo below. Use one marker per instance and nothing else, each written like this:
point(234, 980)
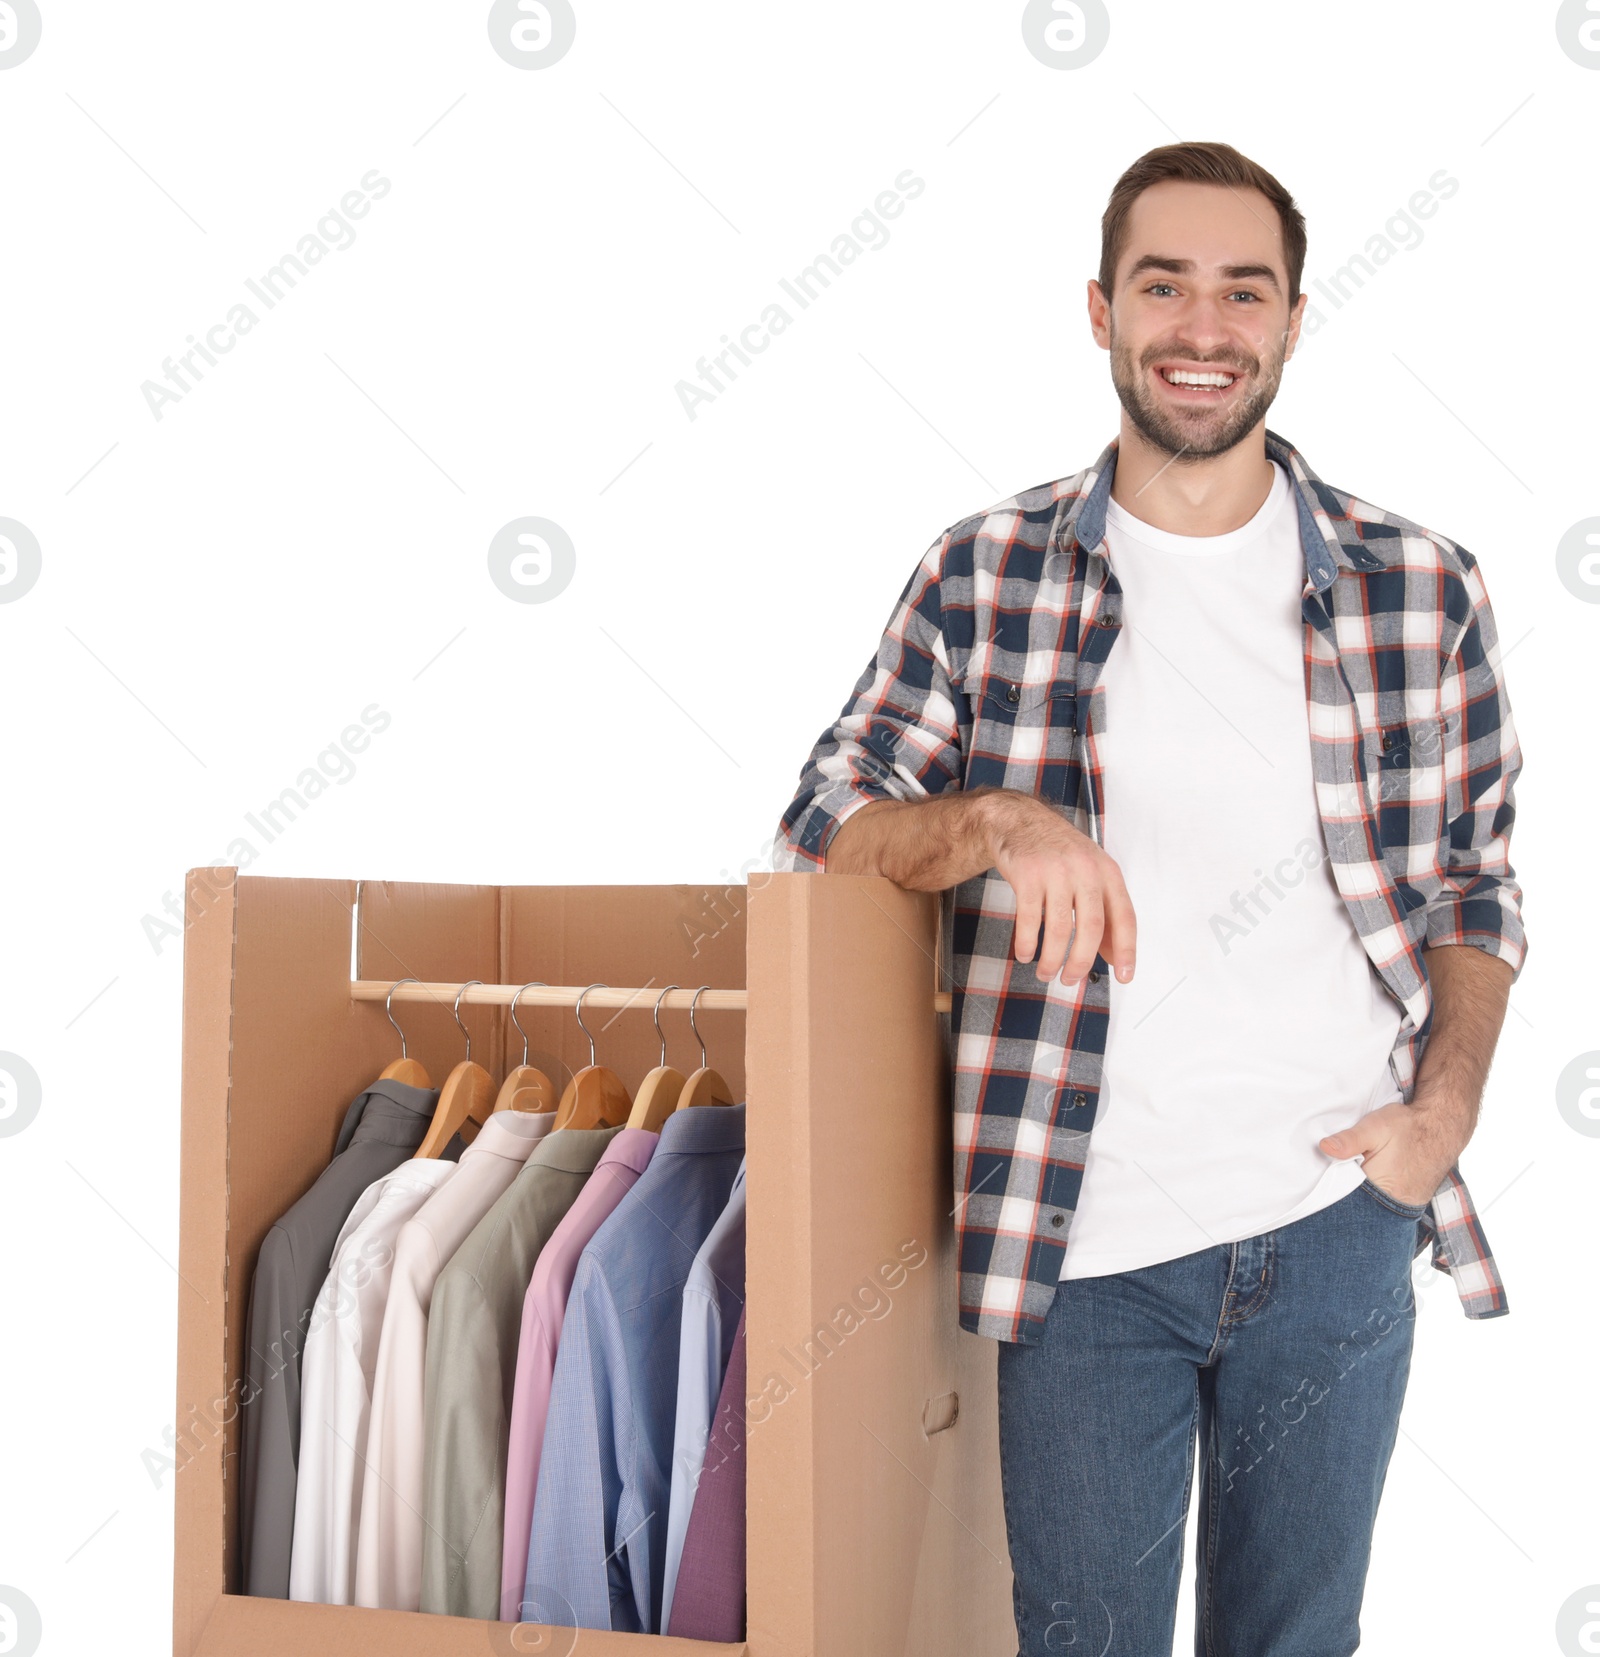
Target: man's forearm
point(922, 845)
point(1470, 992)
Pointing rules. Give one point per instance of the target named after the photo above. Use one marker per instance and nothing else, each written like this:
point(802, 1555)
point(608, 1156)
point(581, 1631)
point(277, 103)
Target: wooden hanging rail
point(566, 995)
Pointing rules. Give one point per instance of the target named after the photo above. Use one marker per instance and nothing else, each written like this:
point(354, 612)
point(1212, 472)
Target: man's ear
point(1099, 315)
point(1297, 313)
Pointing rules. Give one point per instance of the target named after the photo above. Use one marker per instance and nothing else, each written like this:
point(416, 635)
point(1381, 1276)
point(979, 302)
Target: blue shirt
point(596, 1556)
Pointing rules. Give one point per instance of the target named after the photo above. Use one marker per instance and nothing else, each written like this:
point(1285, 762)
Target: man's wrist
point(988, 807)
point(1445, 1117)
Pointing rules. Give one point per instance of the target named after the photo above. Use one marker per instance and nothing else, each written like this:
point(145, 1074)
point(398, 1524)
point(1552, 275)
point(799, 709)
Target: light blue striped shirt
point(711, 1301)
point(596, 1557)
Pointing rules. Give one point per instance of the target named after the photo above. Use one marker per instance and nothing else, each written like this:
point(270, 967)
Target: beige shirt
point(389, 1544)
point(473, 1332)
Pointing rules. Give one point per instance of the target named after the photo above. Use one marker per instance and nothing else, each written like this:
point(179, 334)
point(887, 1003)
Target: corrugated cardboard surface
point(875, 1523)
point(870, 1529)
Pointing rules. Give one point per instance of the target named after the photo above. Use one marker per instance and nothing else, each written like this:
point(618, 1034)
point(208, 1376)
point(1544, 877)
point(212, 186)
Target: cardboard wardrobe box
point(874, 1516)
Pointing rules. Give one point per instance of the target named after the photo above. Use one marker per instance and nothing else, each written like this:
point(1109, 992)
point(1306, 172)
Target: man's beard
point(1203, 435)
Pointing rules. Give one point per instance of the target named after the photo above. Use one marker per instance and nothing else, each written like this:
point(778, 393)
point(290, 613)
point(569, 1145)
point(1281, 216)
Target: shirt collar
point(390, 1113)
point(576, 1150)
point(703, 1128)
point(510, 1133)
point(633, 1148)
point(1329, 539)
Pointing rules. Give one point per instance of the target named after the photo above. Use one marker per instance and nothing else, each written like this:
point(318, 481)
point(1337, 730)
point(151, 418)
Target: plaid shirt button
point(1058, 1219)
point(1013, 693)
point(1079, 1100)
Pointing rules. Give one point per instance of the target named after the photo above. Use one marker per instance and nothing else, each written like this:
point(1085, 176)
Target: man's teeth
point(1183, 376)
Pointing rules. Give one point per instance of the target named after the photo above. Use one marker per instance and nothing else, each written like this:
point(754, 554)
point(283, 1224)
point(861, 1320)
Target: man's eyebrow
point(1185, 267)
point(1155, 261)
point(1243, 273)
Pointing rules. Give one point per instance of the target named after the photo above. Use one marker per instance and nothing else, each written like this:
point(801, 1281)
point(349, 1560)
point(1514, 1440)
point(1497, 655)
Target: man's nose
point(1203, 326)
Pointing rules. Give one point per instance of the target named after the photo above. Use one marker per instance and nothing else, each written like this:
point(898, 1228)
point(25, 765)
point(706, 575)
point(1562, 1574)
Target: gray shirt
point(473, 1325)
point(382, 1128)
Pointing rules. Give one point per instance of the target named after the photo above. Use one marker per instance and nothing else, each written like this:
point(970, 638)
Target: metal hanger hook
point(695, 1027)
point(389, 1010)
point(581, 1025)
point(659, 1031)
point(464, 1030)
point(532, 982)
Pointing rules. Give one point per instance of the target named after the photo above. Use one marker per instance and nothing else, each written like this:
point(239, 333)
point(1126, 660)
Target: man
point(1196, 691)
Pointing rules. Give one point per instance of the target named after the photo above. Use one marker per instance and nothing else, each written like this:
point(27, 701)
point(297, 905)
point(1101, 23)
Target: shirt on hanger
point(471, 1370)
point(709, 1601)
point(713, 1299)
point(600, 1509)
point(382, 1128)
point(625, 1159)
point(336, 1382)
point(389, 1538)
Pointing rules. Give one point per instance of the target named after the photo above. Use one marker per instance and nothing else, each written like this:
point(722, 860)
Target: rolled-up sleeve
point(1480, 901)
point(897, 736)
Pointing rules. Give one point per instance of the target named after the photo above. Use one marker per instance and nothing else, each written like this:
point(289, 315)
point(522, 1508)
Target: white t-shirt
point(1255, 1023)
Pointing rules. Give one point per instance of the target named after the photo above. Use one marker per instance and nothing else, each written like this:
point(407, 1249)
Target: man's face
point(1199, 325)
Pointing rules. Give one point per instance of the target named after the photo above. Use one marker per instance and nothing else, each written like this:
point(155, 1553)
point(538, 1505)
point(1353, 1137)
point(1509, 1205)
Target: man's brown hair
point(1198, 164)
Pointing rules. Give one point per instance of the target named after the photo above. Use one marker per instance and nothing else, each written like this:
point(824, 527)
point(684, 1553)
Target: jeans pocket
point(1406, 1210)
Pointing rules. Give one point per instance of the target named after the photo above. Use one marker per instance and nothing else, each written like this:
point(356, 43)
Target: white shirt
point(336, 1381)
point(715, 1282)
point(1255, 1023)
point(389, 1542)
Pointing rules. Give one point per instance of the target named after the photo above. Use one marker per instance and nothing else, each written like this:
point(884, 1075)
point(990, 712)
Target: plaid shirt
point(987, 675)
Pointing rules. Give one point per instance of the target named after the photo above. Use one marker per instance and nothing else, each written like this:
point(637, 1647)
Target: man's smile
point(1199, 384)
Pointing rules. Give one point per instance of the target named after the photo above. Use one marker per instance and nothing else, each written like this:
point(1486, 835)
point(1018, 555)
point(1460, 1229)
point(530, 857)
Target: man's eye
point(1244, 293)
point(1155, 286)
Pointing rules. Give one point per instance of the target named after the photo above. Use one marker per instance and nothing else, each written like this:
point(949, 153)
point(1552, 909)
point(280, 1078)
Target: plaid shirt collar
point(1329, 540)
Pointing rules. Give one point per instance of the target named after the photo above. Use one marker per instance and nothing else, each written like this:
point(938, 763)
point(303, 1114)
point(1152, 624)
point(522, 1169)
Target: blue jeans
point(1287, 1354)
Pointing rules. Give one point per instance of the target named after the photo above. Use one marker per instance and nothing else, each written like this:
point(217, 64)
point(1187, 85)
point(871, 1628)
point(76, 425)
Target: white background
point(305, 534)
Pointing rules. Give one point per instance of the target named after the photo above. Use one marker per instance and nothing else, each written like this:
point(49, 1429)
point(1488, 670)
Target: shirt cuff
point(819, 822)
point(1508, 944)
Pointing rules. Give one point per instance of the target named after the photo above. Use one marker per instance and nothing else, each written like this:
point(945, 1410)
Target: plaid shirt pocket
point(1020, 734)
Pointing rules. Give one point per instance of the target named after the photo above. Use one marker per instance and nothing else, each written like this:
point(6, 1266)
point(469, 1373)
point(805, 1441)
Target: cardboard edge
point(242, 1626)
point(781, 1540)
point(209, 939)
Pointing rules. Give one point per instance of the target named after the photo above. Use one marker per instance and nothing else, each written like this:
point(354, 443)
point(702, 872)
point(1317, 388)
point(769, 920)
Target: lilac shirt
point(626, 1157)
point(708, 1601)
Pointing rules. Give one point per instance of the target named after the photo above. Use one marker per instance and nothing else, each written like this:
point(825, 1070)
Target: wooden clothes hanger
point(525, 1087)
point(595, 1097)
point(660, 1091)
point(403, 1069)
point(704, 1086)
point(467, 1097)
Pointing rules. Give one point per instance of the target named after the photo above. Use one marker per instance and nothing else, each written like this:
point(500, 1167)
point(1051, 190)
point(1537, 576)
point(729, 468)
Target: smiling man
point(1196, 693)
